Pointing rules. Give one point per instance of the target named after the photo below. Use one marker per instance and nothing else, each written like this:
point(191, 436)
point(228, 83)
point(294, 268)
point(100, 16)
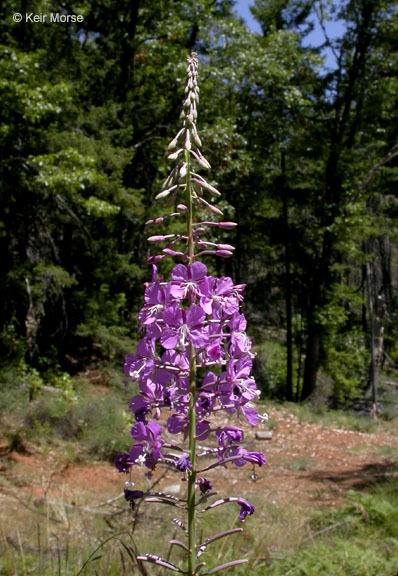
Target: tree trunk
point(311, 360)
point(374, 375)
point(288, 289)
point(321, 282)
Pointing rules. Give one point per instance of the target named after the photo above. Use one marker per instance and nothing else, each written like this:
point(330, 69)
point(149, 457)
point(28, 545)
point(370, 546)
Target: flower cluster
point(198, 309)
point(194, 358)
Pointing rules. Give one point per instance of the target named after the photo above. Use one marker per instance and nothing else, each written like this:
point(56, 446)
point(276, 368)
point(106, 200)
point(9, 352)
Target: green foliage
point(334, 418)
point(305, 159)
point(98, 423)
point(270, 367)
point(346, 362)
point(356, 539)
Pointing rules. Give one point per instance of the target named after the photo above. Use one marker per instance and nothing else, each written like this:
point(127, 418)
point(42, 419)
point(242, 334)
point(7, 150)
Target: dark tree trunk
point(374, 375)
point(128, 49)
point(288, 288)
point(321, 282)
point(311, 360)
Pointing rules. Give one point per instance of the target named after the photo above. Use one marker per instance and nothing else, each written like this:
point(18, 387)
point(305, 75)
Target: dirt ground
point(308, 465)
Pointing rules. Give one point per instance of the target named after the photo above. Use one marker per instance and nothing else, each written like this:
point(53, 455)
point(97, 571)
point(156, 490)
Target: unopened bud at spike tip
point(155, 259)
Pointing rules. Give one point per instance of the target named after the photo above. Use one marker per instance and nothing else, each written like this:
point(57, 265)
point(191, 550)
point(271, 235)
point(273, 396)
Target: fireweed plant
point(194, 358)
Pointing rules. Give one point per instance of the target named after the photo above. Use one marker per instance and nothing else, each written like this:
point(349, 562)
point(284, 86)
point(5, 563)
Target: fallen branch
point(324, 530)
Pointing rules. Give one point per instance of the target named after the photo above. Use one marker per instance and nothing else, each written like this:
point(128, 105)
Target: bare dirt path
point(308, 464)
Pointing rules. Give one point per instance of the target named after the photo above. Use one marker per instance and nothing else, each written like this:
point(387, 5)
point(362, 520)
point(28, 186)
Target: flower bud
point(154, 221)
point(170, 252)
point(226, 225)
point(187, 140)
point(201, 160)
point(154, 259)
point(165, 192)
point(175, 155)
point(170, 179)
point(197, 140)
point(212, 190)
point(223, 253)
point(156, 239)
point(224, 246)
point(173, 143)
point(205, 224)
point(203, 184)
point(160, 238)
point(212, 208)
point(182, 207)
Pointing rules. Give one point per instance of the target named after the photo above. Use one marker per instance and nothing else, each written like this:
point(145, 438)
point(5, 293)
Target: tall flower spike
point(184, 178)
point(191, 321)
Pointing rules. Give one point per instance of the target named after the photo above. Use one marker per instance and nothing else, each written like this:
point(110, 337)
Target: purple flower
point(131, 495)
point(237, 389)
point(148, 432)
point(140, 407)
point(229, 435)
point(204, 485)
point(209, 382)
point(246, 509)
point(180, 423)
point(184, 326)
point(204, 403)
point(152, 396)
point(187, 279)
point(239, 342)
point(157, 298)
point(148, 450)
point(245, 456)
point(250, 413)
point(141, 365)
point(123, 462)
point(218, 294)
point(183, 463)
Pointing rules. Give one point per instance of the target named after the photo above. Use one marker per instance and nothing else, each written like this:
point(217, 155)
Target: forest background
point(305, 155)
point(303, 144)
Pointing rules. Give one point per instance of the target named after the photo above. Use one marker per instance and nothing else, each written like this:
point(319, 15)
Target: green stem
point(188, 199)
point(192, 473)
point(192, 395)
